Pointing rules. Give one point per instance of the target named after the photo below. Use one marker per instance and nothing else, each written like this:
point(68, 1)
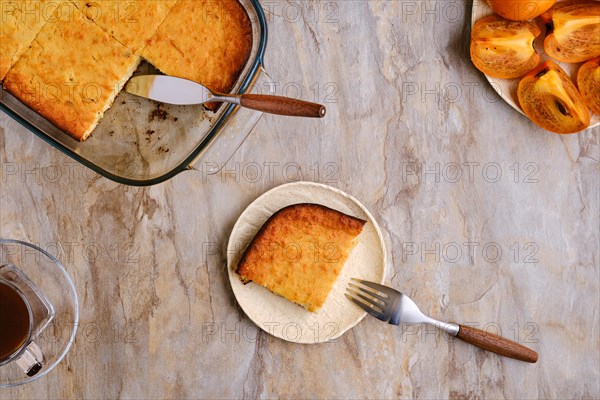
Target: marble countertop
point(488, 220)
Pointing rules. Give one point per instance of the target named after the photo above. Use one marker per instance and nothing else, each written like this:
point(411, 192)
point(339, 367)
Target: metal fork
point(389, 305)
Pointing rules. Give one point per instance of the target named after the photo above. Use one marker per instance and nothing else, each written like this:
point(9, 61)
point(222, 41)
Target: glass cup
point(30, 314)
point(40, 312)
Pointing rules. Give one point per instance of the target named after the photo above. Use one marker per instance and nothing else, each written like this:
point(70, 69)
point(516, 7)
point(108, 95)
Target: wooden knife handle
point(282, 105)
point(496, 344)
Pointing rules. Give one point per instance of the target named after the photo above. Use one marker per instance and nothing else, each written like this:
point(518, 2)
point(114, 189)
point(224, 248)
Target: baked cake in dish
point(300, 251)
point(131, 22)
point(20, 21)
point(72, 57)
point(211, 47)
point(71, 73)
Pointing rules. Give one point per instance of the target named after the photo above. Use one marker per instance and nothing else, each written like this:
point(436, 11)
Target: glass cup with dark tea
point(24, 313)
point(39, 312)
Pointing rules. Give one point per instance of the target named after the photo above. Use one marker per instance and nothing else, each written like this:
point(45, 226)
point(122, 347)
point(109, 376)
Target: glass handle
point(31, 360)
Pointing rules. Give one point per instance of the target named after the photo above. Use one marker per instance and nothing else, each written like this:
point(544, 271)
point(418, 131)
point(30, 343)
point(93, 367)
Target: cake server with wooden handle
point(389, 305)
point(173, 90)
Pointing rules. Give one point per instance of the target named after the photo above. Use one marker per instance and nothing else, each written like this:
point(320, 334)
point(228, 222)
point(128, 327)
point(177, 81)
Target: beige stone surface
point(498, 226)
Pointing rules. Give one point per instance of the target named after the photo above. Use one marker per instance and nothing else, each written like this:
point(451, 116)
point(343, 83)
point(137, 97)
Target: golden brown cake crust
point(300, 251)
point(131, 22)
point(20, 21)
point(71, 73)
point(211, 47)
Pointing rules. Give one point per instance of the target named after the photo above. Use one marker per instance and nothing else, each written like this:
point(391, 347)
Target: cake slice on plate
point(300, 251)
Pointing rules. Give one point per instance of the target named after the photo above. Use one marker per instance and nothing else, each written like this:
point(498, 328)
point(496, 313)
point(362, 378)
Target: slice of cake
point(205, 41)
point(300, 251)
point(71, 73)
point(20, 21)
point(131, 22)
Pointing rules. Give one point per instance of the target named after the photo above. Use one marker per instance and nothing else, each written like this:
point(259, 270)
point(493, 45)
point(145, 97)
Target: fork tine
point(368, 307)
point(381, 288)
point(368, 300)
point(369, 292)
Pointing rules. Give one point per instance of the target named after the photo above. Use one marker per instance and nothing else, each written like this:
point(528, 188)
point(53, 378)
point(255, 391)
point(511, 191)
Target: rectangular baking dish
point(140, 142)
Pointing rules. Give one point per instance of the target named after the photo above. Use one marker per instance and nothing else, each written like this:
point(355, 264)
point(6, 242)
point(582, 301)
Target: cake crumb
point(158, 114)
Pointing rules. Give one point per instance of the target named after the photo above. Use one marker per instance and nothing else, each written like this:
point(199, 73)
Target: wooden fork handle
point(282, 105)
point(496, 344)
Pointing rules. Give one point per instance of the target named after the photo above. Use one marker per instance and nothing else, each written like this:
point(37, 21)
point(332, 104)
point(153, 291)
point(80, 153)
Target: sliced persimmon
point(573, 30)
point(588, 81)
point(504, 49)
point(550, 99)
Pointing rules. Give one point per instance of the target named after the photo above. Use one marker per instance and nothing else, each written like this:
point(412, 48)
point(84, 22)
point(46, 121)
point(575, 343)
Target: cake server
point(389, 305)
point(173, 90)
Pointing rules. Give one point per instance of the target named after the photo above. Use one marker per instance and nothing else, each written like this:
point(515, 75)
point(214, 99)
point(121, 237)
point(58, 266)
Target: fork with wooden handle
point(389, 305)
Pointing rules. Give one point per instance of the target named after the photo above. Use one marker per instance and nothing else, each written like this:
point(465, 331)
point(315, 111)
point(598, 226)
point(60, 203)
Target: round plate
point(507, 88)
point(281, 317)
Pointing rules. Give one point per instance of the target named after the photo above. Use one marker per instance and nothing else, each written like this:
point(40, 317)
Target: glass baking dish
point(140, 142)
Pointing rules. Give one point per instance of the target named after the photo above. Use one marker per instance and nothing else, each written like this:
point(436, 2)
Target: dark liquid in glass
point(14, 321)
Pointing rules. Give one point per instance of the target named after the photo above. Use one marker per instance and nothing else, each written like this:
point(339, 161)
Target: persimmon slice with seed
point(504, 49)
point(573, 30)
point(550, 99)
point(588, 81)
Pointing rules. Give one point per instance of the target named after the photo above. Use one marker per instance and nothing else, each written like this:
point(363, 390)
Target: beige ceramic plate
point(280, 317)
point(507, 88)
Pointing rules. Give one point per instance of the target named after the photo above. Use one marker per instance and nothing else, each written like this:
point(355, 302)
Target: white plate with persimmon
point(542, 57)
